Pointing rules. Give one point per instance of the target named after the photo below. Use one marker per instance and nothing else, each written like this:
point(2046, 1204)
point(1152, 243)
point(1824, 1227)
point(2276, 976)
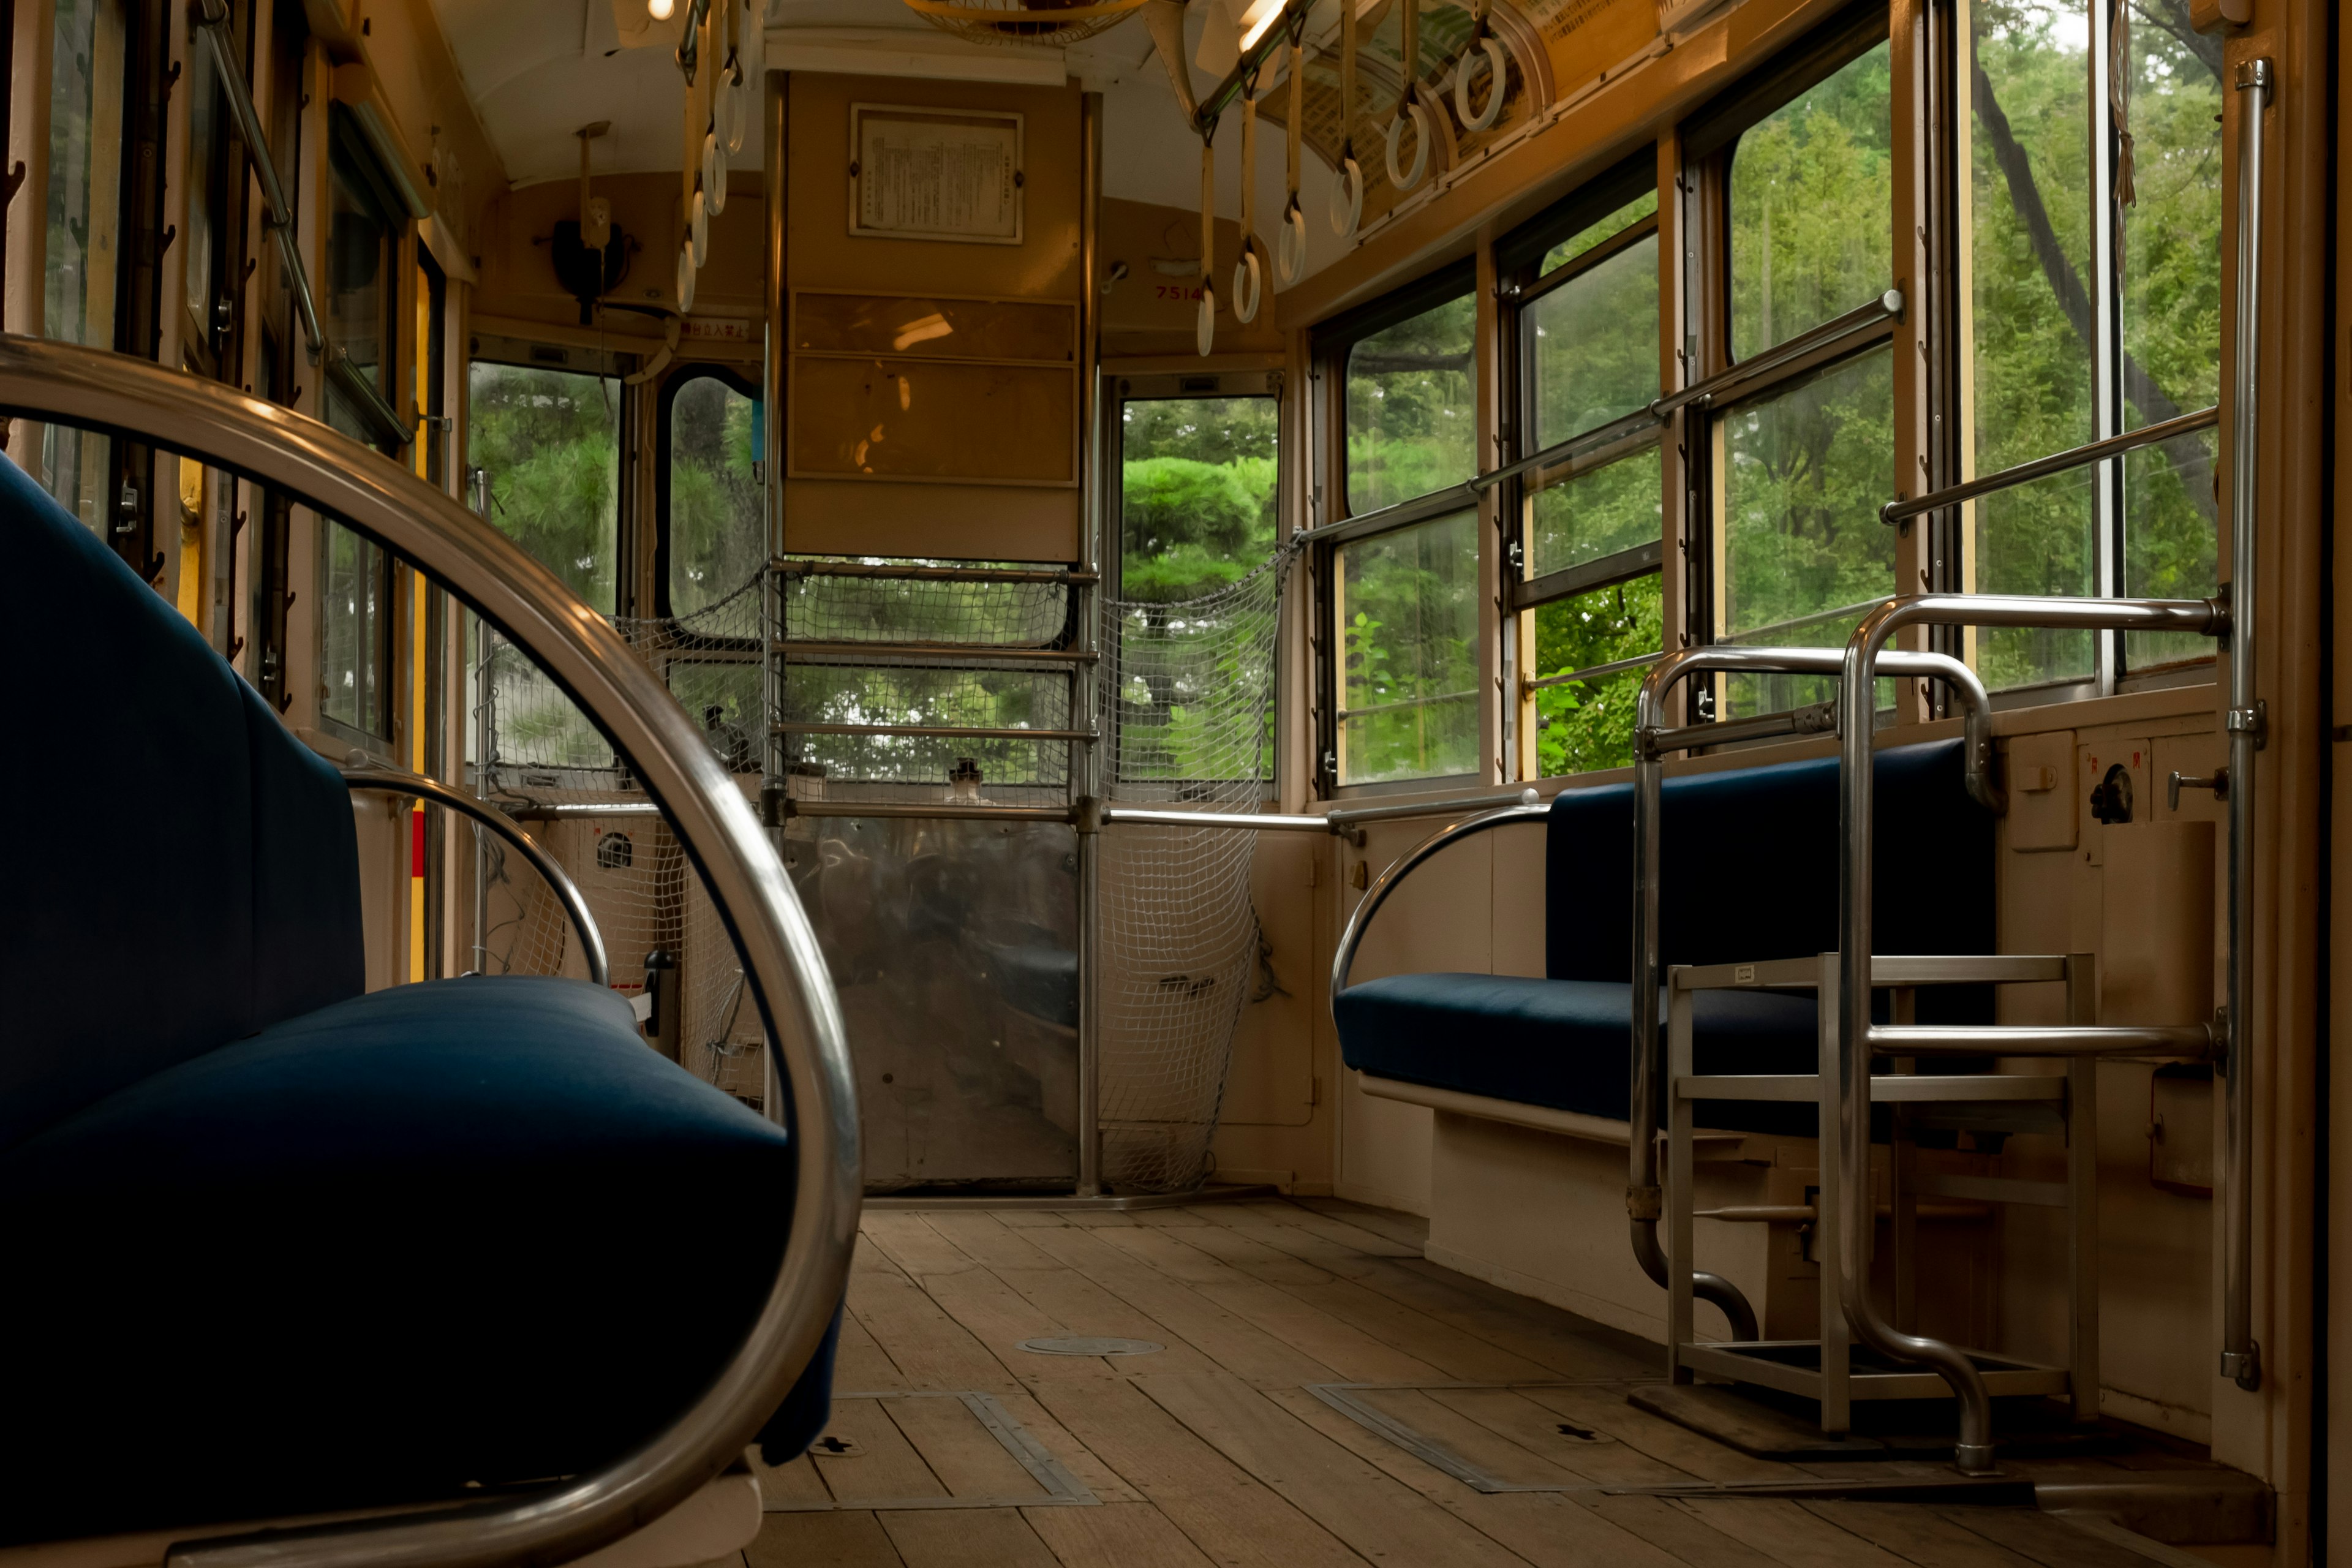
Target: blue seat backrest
point(184, 871)
point(1749, 865)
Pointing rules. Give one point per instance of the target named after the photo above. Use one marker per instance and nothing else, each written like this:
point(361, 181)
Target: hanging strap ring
point(1249, 285)
point(1498, 63)
point(1204, 325)
point(1403, 178)
point(1290, 245)
point(1347, 197)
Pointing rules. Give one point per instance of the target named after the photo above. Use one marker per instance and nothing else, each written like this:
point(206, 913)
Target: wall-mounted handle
point(2177, 781)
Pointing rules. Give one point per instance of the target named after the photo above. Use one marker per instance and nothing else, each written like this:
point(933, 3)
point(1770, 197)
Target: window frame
point(527, 354)
point(1329, 344)
point(1176, 387)
point(1710, 139)
point(735, 379)
point(347, 144)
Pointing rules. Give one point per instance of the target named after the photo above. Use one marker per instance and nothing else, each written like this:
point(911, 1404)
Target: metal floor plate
point(944, 1451)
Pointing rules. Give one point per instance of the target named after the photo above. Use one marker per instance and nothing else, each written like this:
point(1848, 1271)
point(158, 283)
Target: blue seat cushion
point(1565, 1043)
point(471, 1232)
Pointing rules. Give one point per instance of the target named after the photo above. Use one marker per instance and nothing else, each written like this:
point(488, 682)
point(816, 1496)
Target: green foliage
point(549, 440)
point(1411, 411)
point(718, 529)
point(1409, 667)
point(1593, 342)
point(1588, 724)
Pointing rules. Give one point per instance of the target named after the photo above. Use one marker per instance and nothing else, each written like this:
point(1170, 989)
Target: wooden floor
point(1213, 1451)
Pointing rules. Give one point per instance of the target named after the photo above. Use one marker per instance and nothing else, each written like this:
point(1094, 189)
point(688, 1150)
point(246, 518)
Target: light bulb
point(659, 10)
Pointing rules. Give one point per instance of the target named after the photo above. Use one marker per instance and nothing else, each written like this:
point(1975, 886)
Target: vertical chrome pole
point(775, 783)
point(1088, 776)
point(2241, 1358)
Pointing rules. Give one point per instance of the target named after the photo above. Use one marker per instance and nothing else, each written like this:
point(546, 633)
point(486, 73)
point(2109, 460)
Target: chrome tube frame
point(1644, 1200)
point(115, 394)
point(558, 880)
point(2025, 473)
point(1528, 809)
point(1857, 1037)
point(1887, 307)
point(2242, 1355)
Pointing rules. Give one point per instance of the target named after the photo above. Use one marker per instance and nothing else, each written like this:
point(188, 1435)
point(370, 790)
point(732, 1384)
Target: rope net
point(535, 748)
point(1188, 712)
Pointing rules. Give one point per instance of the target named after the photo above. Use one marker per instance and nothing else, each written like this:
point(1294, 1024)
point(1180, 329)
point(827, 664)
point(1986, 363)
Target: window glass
point(1411, 411)
point(1407, 608)
point(718, 507)
point(1592, 344)
point(1608, 229)
point(84, 216)
point(1811, 190)
point(2171, 244)
point(549, 440)
point(1805, 470)
point(1588, 724)
point(360, 236)
point(1598, 512)
point(354, 617)
point(1197, 514)
point(2030, 254)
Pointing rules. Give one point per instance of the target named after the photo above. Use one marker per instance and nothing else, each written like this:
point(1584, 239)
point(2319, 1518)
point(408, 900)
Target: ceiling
point(537, 72)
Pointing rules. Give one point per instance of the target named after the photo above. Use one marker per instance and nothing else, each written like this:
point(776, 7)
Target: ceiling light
point(659, 10)
point(1260, 15)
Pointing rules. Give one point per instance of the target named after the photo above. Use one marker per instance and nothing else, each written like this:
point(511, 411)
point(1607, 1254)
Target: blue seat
point(275, 1245)
point(1748, 872)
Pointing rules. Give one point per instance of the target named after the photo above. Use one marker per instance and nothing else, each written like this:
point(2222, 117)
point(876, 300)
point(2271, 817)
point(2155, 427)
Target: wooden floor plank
point(998, 1316)
point(1090, 1218)
point(781, 1486)
point(1606, 1410)
point(1411, 1229)
point(929, 1349)
point(1228, 1339)
point(1131, 1535)
point(1350, 1352)
point(964, 1455)
point(1455, 1354)
point(1475, 1443)
point(1028, 1219)
point(1090, 1310)
point(1283, 1213)
point(909, 1240)
point(2039, 1537)
point(1382, 1519)
point(1665, 1527)
point(1918, 1535)
point(1787, 1533)
point(1533, 1427)
point(1549, 1530)
point(967, 1538)
point(987, 1241)
point(1235, 1520)
point(884, 1464)
point(859, 1363)
point(1096, 1476)
point(822, 1540)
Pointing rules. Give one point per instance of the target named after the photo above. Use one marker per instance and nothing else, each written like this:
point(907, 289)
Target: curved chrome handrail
point(1528, 809)
point(558, 880)
point(1862, 660)
point(142, 401)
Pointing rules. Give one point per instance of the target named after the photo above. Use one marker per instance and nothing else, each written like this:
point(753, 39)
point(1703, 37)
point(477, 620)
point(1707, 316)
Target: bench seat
point(466, 1232)
point(1747, 873)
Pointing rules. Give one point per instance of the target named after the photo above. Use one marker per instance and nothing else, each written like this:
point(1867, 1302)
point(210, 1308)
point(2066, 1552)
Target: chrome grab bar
point(1644, 1202)
point(1887, 307)
point(1857, 1037)
point(2241, 1356)
point(64, 384)
point(2056, 463)
point(558, 880)
point(1529, 807)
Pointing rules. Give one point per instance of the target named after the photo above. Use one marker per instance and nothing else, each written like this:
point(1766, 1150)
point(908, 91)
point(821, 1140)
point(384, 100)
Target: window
point(1588, 522)
point(82, 228)
point(1411, 411)
point(714, 506)
point(1399, 576)
point(354, 633)
point(1199, 511)
point(2095, 270)
point(359, 304)
point(213, 242)
point(1405, 607)
point(1798, 183)
point(549, 443)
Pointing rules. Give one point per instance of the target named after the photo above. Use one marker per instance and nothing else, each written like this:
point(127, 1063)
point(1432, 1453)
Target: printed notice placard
point(928, 174)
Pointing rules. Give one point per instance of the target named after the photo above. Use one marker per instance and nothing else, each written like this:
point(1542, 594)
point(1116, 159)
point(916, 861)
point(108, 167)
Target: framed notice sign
point(935, 173)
